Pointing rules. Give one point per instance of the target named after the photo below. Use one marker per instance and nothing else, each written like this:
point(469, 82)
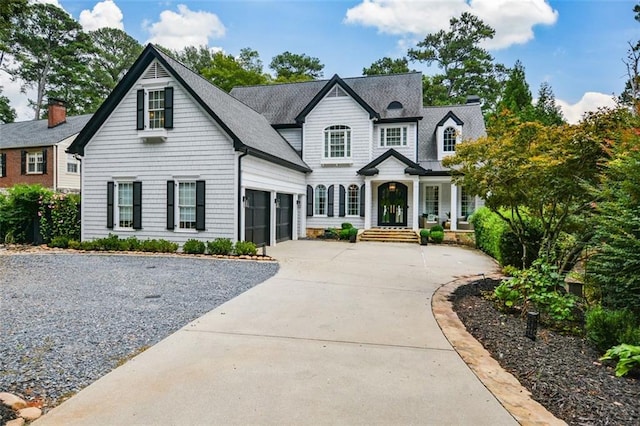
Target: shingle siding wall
point(196, 149)
point(66, 181)
point(293, 136)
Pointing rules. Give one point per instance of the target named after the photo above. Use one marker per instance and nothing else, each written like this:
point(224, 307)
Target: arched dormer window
point(449, 139)
point(337, 142)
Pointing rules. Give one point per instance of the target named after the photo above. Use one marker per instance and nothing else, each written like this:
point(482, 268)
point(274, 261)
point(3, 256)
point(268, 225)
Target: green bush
point(628, 357)
point(245, 248)
point(131, 244)
point(344, 233)
point(436, 236)
point(74, 244)
point(330, 234)
point(158, 246)
point(60, 216)
point(59, 242)
point(220, 246)
point(19, 213)
point(436, 228)
point(606, 328)
point(424, 233)
point(346, 225)
point(87, 245)
point(193, 246)
point(353, 232)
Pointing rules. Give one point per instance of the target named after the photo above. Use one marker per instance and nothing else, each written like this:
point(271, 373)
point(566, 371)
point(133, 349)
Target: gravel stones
point(68, 319)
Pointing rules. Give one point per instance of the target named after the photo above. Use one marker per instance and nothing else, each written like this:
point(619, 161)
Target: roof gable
point(450, 115)
point(249, 130)
point(411, 168)
point(335, 80)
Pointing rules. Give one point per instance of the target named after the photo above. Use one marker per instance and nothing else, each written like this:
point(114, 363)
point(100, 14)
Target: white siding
point(66, 181)
point(293, 136)
point(196, 149)
point(329, 112)
point(408, 151)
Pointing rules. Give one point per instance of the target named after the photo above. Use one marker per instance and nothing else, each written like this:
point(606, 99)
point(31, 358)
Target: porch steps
point(390, 235)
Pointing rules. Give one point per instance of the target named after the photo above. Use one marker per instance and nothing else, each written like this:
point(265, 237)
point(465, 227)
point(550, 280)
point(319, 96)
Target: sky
point(577, 46)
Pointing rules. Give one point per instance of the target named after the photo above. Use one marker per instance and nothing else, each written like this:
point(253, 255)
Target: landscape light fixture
point(532, 325)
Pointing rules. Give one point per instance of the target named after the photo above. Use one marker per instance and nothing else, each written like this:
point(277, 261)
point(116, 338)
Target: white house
point(169, 155)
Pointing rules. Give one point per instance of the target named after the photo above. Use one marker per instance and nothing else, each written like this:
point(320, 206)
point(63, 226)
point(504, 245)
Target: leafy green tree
point(250, 60)
point(227, 72)
point(467, 68)
point(50, 53)
point(387, 65)
point(7, 114)
point(546, 111)
point(516, 96)
point(292, 67)
point(114, 53)
point(195, 58)
point(529, 170)
point(9, 11)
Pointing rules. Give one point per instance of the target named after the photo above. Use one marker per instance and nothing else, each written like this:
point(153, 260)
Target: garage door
point(256, 224)
point(284, 217)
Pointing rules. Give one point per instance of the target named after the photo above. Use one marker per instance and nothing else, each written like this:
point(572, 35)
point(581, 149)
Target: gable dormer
point(448, 134)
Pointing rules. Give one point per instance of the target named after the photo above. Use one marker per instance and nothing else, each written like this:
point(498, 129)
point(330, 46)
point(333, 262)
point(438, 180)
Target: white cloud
point(54, 2)
point(590, 101)
point(104, 14)
point(17, 100)
point(512, 20)
point(185, 28)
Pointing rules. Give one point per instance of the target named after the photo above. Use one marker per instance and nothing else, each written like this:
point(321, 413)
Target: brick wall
point(13, 175)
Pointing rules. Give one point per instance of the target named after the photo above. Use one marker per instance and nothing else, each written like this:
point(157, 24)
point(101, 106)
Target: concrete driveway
point(343, 334)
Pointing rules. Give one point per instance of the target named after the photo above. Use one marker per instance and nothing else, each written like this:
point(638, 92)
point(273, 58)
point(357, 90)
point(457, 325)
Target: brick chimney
point(57, 113)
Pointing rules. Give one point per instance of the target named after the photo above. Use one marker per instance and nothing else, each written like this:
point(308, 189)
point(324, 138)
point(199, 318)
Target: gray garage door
point(284, 217)
point(256, 225)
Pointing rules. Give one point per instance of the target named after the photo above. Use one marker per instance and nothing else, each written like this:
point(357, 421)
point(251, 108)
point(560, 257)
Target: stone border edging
point(514, 397)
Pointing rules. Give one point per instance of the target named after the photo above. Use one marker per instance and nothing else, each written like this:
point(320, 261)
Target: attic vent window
point(155, 71)
point(395, 105)
point(336, 92)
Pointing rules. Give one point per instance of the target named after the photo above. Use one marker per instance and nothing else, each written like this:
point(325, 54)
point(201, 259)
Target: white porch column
point(416, 203)
point(368, 203)
point(301, 208)
point(454, 207)
point(272, 225)
point(241, 214)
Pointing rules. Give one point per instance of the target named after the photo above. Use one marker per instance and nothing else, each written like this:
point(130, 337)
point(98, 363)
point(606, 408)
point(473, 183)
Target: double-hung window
point(187, 205)
point(393, 136)
point(467, 203)
point(431, 202)
point(35, 162)
point(320, 204)
point(125, 204)
point(154, 111)
point(155, 108)
point(353, 200)
point(449, 139)
point(337, 142)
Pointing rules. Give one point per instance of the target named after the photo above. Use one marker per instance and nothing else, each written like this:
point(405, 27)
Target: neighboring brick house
point(34, 152)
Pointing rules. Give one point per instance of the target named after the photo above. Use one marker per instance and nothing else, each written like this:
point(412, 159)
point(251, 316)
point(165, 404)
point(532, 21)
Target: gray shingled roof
point(281, 103)
point(250, 127)
point(472, 128)
point(35, 133)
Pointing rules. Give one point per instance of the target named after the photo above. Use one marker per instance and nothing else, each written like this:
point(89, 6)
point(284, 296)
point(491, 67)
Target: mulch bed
point(561, 371)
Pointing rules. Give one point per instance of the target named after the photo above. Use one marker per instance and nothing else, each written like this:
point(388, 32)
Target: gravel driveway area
point(68, 319)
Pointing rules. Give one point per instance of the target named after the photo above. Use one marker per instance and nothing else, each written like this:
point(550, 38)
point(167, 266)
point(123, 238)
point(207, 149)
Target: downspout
point(55, 168)
point(240, 203)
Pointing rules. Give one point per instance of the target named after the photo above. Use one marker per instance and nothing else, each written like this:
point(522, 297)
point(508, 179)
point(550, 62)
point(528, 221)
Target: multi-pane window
point(125, 205)
point(449, 139)
point(320, 203)
point(431, 200)
point(34, 162)
point(156, 109)
point(467, 203)
point(393, 136)
point(72, 164)
point(353, 200)
point(337, 142)
point(187, 205)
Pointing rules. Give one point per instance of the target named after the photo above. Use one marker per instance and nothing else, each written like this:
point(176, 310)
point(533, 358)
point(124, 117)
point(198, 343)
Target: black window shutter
point(44, 161)
point(200, 205)
point(171, 210)
point(137, 205)
point(3, 165)
point(309, 200)
point(330, 201)
point(341, 206)
point(140, 110)
point(168, 107)
point(23, 162)
point(110, 195)
point(362, 201)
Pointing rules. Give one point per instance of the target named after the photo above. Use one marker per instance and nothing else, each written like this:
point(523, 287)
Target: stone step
point(390, 235)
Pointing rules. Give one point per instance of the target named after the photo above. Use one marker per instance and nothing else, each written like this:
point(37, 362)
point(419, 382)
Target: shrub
point(19, 213)
point(344, 233)
point(245, 248)
point(628, 357)
point(436, 228)
point(193, 246)
point(436, 236)
point(87, 245)
point(606, 328)
point(353, 232)
point(158, 246)
point(74, 244)
point(60, 242)
point(330, 234)
point(346, 225)
point(60, 216)
point(221, 246)
point(424, 233)
point(131, 244)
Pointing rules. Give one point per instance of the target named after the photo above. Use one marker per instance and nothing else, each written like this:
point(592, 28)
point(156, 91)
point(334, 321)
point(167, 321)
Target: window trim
point(143, 119)
point(353, 207)
point(404, 136)
point(320, 199)
point(178, 221)
point(117, 206)
point(469, 200)
point(346, 144)
point(447, 136)
point(437, 206)
point(31, 154)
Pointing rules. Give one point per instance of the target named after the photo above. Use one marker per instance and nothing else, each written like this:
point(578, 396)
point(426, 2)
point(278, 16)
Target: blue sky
point(575, 45)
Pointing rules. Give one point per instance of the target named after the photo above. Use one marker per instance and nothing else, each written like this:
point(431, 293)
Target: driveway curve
point(342, 334)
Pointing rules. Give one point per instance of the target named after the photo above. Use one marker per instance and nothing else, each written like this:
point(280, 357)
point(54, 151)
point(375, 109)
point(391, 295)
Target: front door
point(392, 204)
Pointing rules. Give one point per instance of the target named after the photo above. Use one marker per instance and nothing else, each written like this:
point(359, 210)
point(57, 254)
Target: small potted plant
point(424, 237)
point(353, 235)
